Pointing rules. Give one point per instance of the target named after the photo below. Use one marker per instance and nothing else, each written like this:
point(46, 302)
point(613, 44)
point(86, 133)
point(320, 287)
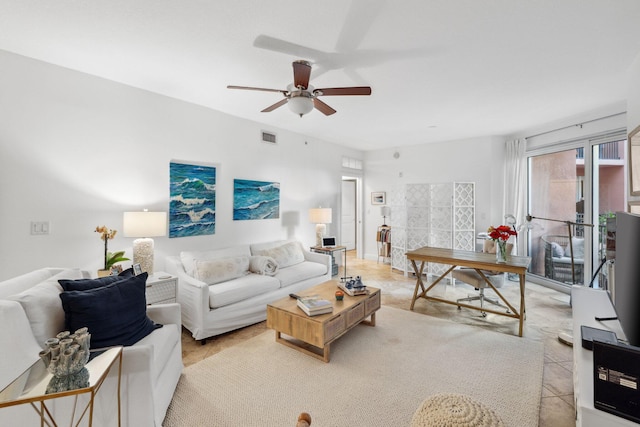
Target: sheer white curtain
point(515, 183)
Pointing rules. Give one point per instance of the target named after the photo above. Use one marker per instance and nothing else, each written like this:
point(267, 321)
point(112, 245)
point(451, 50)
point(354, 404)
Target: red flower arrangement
point(502, 232)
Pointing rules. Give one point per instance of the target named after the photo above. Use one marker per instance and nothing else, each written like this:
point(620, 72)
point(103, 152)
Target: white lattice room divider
point(431, 214)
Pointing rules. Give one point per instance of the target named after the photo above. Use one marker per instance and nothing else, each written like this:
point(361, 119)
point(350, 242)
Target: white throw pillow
point(43, 306)
point(220, 270)
point(189, 258)
point(286, 255)
point(578, 248)
point(556, 250)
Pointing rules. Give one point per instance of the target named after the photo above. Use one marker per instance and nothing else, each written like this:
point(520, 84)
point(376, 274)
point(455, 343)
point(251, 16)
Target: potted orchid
point(500, 235)
point(110, 258)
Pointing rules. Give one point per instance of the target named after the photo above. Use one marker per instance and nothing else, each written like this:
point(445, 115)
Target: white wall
point(633, 100)
point(478, 160)
point(78, 151)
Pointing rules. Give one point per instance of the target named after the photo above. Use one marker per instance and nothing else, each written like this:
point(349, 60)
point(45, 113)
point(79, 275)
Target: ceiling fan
point(302, 97)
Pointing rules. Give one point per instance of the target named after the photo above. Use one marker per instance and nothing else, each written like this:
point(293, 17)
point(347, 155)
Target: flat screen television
point(625, 292)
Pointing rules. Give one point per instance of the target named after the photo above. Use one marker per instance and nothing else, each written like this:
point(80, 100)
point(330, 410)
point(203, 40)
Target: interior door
point(348, 230)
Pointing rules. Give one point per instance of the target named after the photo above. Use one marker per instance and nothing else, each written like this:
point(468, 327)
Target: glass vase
point(501, 251)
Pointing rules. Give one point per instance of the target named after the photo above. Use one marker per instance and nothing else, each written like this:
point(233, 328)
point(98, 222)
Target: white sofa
point(31, 311)
point(237, 297)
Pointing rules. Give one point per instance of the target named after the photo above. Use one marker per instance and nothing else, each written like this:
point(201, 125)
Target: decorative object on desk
point(320, 217)
point(66, 354)
point(144, 225)
point(501, 251)
point(339, 295)
point(110, 258)
point(500, 235)
point(378, 198)
point(511, 220)
point(314, 305)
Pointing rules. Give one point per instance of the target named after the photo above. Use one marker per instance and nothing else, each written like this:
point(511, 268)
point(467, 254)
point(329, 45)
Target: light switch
point(40, 227)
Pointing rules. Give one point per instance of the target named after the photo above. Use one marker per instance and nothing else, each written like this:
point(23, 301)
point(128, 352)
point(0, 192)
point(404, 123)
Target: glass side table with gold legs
point(36, 386)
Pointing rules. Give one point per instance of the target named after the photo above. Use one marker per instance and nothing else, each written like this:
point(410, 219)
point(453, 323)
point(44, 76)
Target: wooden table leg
point(419, 284)
point(522, 308)
point(325, 354)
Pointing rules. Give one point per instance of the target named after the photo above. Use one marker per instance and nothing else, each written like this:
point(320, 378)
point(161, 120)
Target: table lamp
point(144, 225)
point(385, 211)
point(320, 217)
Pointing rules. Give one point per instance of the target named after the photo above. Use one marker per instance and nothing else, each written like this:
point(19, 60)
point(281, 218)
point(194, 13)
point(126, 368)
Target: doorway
point(349, 214)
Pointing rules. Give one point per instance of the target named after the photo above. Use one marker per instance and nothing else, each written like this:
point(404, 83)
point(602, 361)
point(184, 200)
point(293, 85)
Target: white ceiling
point(439, 69)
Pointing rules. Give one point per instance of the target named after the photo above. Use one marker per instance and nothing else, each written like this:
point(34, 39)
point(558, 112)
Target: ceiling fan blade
point(282, 91)
point(336, 91)
point(322, 107)
point(301, 74)
point(274, 106)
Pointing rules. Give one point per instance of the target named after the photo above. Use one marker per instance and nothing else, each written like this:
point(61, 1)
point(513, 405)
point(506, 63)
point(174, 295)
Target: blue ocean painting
point(192, 211)
point(255, 199)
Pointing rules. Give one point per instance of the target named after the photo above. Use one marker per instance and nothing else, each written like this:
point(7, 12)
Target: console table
point(587, 303)
point(330, 251)
point(478, 261)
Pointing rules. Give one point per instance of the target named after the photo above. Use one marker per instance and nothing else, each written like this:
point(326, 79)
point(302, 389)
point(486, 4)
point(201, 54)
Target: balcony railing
point(606, 151)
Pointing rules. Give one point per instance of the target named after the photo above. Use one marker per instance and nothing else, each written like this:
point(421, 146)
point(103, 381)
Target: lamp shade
point(320, 215)
point(385, 211)
point(145, 224)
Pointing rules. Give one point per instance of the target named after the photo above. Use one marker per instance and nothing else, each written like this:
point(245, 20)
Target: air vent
point(269, 138)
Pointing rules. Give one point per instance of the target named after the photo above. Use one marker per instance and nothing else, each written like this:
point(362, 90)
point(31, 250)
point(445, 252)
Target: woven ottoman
point(453, 410)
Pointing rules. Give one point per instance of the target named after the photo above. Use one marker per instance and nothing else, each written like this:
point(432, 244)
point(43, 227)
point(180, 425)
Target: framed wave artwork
point(192, 210)
point(255, 199)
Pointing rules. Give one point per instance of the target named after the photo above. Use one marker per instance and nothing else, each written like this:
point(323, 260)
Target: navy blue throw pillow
point(115, 314)
point(84, 284)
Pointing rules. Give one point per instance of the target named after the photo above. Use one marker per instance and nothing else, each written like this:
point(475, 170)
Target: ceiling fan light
point(300, 105)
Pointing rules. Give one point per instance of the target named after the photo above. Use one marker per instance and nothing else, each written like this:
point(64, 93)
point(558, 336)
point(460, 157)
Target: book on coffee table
point(314, 305)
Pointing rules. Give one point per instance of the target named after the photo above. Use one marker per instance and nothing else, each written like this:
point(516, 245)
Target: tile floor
point(548, 313)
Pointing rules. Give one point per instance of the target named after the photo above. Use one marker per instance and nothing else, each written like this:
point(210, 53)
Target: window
point(572, 183)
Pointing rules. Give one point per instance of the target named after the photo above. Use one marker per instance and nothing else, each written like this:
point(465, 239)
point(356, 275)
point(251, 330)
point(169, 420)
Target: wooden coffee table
point(313, 335)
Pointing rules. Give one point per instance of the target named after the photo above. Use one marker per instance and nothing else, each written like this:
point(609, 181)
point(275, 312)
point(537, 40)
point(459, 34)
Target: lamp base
point(320, 230)
point(143, 254)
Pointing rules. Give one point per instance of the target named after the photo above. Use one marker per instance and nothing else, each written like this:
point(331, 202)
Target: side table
point(36, 384)
point(161, 288)
point(330, 251)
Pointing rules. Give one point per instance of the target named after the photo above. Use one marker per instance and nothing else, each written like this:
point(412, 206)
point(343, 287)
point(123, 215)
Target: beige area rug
point(378, 376)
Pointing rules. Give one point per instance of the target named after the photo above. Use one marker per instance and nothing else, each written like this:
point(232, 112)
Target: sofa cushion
point(189, 258)
point(42, 305)
point(163, 340)
point(115, 314)
point(21, 283)
point(285, 255)
point(84, 284)
point(578, 248)
point(220, 270)
point(299, 272)
point(241, 289)
point(557, 250)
